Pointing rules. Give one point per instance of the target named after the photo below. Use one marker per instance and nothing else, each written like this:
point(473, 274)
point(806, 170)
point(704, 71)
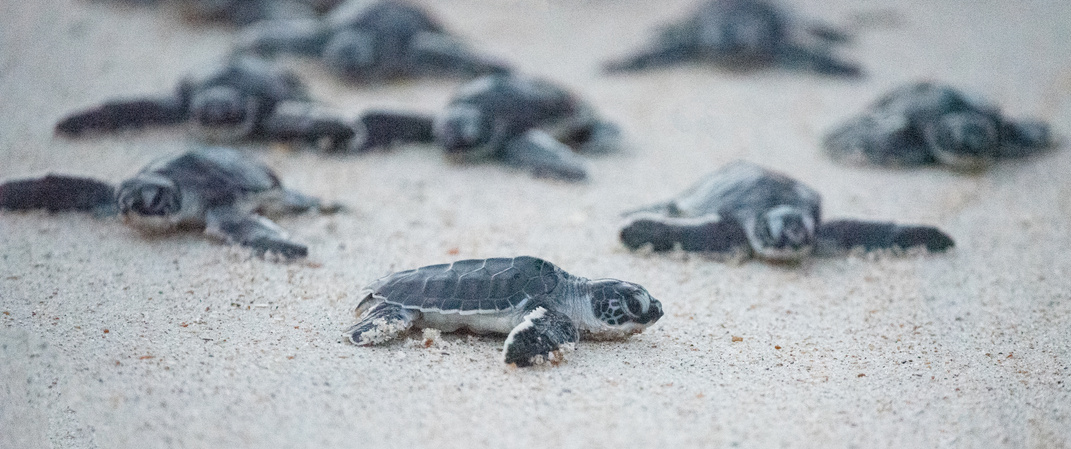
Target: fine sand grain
point(110, 339)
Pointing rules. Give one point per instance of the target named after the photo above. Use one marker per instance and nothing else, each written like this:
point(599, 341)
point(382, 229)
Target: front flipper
point(879, 139)
point(253, 231)
point(270, 38)
point(540, 334)
point(659, 56)
point(708, 233)
point(59, 193)
point(840, 237)
point(437, 54)
point(383, 129)
point(818, 61)
point(307, 122)
point(544, 156)
point(1024, 138)
point(125, 114)
point(383, 322)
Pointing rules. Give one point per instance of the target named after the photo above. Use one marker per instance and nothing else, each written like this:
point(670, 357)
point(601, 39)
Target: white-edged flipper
point(258, 233)
point(384, 129)
point(707, 233)
point(544, 156)
point(381, 323)
point(59, 193)
point(839, 237)
point(542, 333)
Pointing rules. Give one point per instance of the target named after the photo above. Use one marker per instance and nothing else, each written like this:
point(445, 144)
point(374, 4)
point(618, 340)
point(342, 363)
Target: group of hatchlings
point(740, 210)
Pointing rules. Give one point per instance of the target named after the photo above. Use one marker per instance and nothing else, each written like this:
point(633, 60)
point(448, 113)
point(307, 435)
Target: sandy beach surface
point(110, 339)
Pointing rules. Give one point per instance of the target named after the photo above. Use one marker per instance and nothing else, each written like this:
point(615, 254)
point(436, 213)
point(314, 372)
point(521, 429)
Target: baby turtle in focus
point(525, 122)
point(742, 35)
point(926, 123)
point(541, 307)
point(214, 189)
point(744, 210)
point(380, 41)
point(246, 98)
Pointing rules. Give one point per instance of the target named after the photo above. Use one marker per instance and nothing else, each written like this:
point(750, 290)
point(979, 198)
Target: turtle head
point(623, 306)
point(966, 140)
point(149, 195)
point(223, 112)
point(463, 129)
point(783, 233)
point(351, 54)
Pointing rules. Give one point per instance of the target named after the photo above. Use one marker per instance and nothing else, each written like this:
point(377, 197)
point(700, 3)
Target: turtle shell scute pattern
point(471, 286)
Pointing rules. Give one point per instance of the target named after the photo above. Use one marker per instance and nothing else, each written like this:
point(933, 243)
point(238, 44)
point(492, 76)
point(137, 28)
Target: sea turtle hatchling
point(740, 35)
point(245, 98)
point(214, 189)
point(525, 122)
point(373, 41)
point(743, 210)
point(928, 123)
point(540, 307)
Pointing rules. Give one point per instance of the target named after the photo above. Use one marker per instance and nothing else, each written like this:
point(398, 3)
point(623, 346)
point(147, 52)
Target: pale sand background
point(111, 340)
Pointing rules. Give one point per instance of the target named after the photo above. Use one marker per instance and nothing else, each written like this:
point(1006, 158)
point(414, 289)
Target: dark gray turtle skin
point(244, 99)
point(373, 42)
point(213, 189)
point(743, 35)
point(524, 122)
point(927, 123)
point(539, 306)
point(744, 210)
point(240, 12)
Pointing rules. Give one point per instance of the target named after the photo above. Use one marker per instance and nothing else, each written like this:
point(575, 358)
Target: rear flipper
point(253, 231)
point(383, 129)
point(271, 38)
point(1024, 138)
point(436, 54)
point(125, 114)
point(381, 323)
point(843, 236)
point(880, 139)
point(538, 337)
point(59, 193)
point(660, 56)
point(544, 156)
point(709, 234)
point(307, 122)
point(823, 62)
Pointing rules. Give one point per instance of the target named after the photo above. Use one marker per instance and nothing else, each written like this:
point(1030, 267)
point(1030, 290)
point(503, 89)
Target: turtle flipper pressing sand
point(743, 34)
point(540, 307)
point(373, 41)
point(744, 210)
point(243, 99)
point(926, 123)
point(214, 189)
point(524, 122)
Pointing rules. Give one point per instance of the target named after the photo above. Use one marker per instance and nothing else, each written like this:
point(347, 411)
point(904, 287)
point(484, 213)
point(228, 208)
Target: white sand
point(112, 340)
